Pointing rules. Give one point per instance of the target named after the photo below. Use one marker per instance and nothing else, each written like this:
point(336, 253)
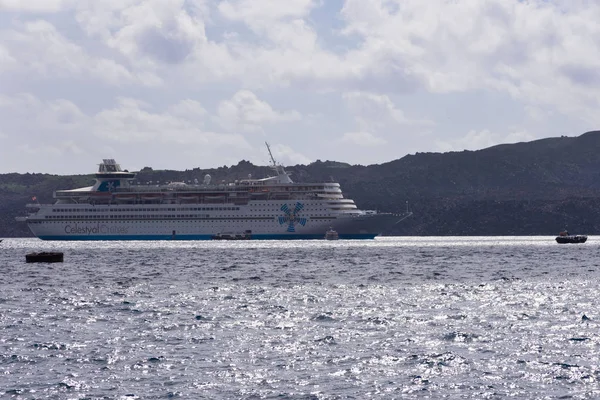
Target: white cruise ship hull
point(348, 227)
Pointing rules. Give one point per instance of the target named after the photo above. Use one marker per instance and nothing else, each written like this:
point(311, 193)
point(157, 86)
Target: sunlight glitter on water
point(387, 318)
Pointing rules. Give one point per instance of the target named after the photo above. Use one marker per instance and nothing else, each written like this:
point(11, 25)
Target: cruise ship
point(271, 208)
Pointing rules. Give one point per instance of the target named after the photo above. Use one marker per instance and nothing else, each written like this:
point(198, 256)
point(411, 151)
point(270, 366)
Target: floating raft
point(44, 256)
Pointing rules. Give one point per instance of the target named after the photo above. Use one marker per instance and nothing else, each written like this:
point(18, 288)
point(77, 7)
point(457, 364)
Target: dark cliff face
point(537, 187)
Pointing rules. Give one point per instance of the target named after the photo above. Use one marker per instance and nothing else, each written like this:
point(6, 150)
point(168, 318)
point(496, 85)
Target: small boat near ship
point(331, 235)
point(564, 237)
point(246, 235)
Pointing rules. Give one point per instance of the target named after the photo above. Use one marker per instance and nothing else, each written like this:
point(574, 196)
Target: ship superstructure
point(271, 208)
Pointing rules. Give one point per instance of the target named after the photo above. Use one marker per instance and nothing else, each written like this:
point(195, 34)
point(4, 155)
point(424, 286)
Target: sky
point(182, 84)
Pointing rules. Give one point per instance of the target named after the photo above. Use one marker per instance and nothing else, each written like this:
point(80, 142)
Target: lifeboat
point(188, 199)
point(151, 196)
point(125, 198)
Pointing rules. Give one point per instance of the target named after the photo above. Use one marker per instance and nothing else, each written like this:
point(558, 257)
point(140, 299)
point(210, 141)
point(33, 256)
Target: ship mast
point(283, 177)
point(271, 154)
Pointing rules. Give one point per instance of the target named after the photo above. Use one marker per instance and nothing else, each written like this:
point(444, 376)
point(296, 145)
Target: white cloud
point(131, 121)
point(363, 139)
point(59, 128)
point(257, 13)
point(40, 51)
point(18, 101)
point(285, 155)
point(26, 110)
point(189, 109)
point(162, 38)
point(159, 30)
point(378, 121)
point(7, 62)
point(527, 49)
point(34, 6)
point(475, 140)
point(378, 71)
point(57, 149)
point(537, 113)
point(373, 111)
point(247, 113)
point(146, 32)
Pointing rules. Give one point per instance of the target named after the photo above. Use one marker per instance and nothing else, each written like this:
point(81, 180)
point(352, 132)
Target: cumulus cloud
point(59, 129)
point(413, 75)
point(160, 30)
point(7, 62)
point(362, 139)
point(373, 111)
point(37, 49)
point(261, 12)
point(512, 46)
point(247, 113)
point(146, 32)
point(475, 140)
point(132, 121)
point(287, 156)
point(378, 121)
point(33, 6)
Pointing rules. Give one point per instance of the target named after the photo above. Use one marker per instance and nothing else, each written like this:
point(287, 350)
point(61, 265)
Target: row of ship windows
point(62, 210)
point(146, 209)
point(142, 216)
point(181, 209)
point(159, 217)
point(311, 190)
point(162, 222)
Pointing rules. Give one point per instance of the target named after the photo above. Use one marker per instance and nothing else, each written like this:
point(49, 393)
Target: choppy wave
point(388, 318)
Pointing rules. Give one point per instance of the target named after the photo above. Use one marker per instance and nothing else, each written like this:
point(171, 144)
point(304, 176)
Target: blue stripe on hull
point(205, 237)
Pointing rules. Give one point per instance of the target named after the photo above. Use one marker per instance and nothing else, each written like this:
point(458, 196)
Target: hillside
point(537, 187)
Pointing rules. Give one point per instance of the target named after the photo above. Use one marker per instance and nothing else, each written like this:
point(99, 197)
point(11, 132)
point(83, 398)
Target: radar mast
point(283, 177)
point(271, 154)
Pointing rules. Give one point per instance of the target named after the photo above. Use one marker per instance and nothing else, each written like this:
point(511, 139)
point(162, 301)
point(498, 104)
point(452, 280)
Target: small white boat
point(331, 235)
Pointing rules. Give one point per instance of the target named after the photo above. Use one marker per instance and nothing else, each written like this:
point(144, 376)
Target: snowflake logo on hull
point(291, 217)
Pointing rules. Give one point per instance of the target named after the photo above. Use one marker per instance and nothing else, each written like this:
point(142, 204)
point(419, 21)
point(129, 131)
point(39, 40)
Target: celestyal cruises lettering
point(101, 229)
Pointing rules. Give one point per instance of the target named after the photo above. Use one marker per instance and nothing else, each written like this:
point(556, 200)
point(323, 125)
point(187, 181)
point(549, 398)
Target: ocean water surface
point(395, 317)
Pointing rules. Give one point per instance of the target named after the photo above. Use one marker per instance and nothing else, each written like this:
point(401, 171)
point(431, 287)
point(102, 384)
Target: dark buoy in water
point(585, 318)
point(45, 256)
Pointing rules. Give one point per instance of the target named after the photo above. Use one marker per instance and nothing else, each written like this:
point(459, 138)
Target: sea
point(389, 318)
